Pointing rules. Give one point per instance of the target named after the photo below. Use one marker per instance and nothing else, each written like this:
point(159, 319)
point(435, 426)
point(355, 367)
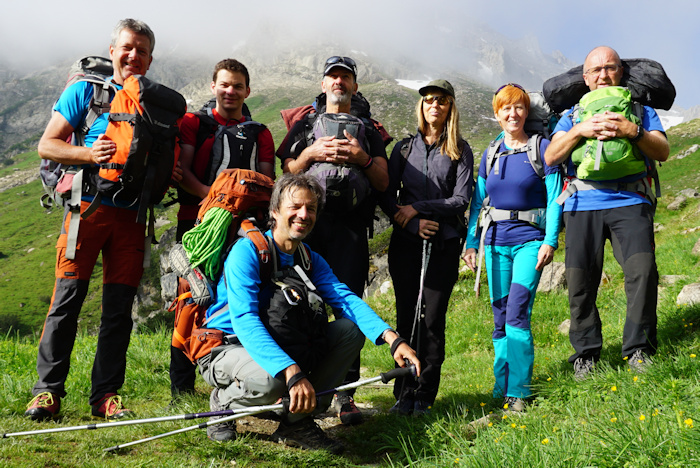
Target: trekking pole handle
point(398, 372)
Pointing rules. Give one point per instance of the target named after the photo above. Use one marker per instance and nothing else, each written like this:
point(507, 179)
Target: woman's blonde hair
point(450, 139)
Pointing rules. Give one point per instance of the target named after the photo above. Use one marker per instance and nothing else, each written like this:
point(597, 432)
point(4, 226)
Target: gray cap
point(442, 85)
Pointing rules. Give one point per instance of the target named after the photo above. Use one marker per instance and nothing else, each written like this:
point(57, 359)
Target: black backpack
point(646, 79)
point(234, 146)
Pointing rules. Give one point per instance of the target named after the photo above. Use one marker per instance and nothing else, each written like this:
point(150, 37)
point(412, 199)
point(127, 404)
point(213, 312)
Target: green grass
point(616, 418)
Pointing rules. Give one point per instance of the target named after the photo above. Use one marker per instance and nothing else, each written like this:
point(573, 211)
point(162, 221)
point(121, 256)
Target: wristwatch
point(639, 135)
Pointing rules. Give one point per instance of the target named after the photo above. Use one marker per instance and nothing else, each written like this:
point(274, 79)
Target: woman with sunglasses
point(520, 225)
point(432, 173)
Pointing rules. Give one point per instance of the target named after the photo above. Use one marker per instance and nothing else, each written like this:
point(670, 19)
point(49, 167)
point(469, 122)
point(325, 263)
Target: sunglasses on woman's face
point(441, 100)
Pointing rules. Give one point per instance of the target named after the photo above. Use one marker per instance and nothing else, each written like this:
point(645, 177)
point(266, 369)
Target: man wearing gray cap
point(340, 137)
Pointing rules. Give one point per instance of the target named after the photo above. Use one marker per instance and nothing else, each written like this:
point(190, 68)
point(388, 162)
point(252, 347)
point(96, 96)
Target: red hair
point(509, 95)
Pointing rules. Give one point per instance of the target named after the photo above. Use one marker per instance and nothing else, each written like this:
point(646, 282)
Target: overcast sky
point(668, 31)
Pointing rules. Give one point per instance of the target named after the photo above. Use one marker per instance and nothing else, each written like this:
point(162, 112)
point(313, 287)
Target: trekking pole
point(249, 412)
point(130, 422)
point(385, 377)
point(415, 330)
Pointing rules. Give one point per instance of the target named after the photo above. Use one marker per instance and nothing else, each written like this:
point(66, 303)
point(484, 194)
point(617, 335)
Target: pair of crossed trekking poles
point(226, 415)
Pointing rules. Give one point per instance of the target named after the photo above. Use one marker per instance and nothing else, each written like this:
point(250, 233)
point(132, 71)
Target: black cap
point(342, 62)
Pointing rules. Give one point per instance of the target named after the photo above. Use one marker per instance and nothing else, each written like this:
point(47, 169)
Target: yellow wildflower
point(545, 441)
point(613, 388)
point(613, 420)
point(689, 422)
point(642, 417)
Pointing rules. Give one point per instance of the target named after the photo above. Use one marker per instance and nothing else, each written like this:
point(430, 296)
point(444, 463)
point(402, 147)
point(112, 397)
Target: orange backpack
point(246, 195)
point(143, 122)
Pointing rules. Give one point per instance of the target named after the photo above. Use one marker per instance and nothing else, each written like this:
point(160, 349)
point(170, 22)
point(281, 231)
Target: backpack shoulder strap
point(533, 154)
point(102, 90)
point(309, 120)
point(406, 146)
point(207, 128)
point(491, 155)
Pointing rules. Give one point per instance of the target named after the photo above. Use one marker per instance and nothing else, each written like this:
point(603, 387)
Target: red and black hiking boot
point(44, 406)
point(345, 408)
point(110, 408)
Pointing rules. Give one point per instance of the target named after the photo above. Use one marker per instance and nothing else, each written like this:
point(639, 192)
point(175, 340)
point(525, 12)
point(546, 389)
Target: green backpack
point(610, 159)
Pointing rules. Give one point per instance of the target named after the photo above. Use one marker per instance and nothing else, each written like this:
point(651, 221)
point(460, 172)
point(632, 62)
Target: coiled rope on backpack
point(205, 242)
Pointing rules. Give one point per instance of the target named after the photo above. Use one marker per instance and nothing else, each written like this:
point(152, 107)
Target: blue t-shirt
point(590, 200)
point(516, 187)
point(240, 288)
point(74, 105)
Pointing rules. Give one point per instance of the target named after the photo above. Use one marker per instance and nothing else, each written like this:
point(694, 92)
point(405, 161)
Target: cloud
point(42, 32)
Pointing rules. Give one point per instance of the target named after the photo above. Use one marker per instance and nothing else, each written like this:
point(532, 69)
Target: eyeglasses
point(336, 59)
point(441, 100)
point(609, 69)
point(515, 85)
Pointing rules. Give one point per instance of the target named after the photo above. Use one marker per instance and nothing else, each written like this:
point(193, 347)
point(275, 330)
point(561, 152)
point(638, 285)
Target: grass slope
point(616, 418)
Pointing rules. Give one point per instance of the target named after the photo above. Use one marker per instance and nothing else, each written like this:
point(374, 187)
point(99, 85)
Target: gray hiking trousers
point(243, 383)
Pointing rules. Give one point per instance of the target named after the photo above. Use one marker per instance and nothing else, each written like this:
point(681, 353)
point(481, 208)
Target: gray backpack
point(346, 186)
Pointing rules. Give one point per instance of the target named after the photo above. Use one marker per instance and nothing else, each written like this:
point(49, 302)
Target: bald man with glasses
point(620, 210)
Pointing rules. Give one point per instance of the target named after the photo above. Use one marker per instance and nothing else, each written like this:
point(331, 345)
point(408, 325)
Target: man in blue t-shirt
point(111, 230)
point(620, 210)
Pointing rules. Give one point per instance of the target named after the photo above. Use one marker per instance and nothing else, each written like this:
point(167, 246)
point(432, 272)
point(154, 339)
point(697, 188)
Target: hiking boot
point(403, 407)
point(307, 435)
point(421, 408)
point(224, 431)
point(582, 368)
point(345, 408)
point(514, 404)
point(110, 407)
point(44, 406)
point(639, 362)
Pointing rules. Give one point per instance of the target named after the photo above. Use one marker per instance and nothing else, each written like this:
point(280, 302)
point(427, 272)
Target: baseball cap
point(343, 62)
point(442, 85)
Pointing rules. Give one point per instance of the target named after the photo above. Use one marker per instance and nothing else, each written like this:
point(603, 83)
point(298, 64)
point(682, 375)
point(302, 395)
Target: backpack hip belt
point(574, 185)
point(490, 215)
point(535, 216)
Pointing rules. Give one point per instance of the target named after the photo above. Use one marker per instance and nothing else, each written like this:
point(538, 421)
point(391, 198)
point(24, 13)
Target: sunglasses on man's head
point(515, 85)
point(441, 100)
point(336, 59)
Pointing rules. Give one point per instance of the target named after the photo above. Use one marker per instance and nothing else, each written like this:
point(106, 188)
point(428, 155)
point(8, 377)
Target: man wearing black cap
point(340, 235)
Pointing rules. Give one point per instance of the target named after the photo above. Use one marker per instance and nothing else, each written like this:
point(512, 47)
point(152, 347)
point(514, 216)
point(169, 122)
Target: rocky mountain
point(285, 69)
point(286, 72)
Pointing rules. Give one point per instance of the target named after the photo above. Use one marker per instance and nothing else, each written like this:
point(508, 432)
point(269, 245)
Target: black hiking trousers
point(342, 242)
point(631, 232)
point(405, 261)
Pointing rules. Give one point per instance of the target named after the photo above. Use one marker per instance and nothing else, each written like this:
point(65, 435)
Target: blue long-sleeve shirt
point(245, 293)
